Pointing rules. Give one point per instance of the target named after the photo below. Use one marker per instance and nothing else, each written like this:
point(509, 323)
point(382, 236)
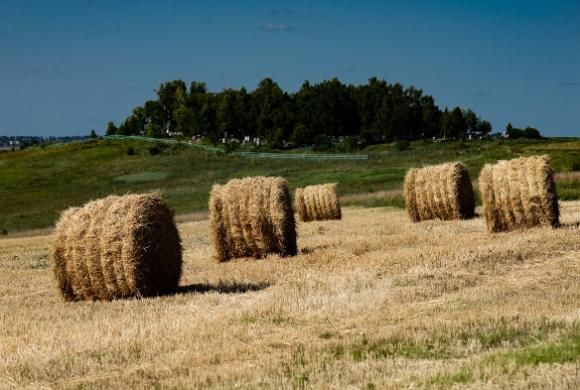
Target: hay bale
point(439, 192)
point(252, 217)
point(317, 203)
point(117, 247)
point(519, 193)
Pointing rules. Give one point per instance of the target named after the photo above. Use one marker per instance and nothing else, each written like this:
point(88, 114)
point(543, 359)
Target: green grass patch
point(565, 350)
point(38, 184)
point(447, 379)
point(384, 348)
point(508, 332)
point(387, 201)
point(143, 177)
point(568, 190)
point(448, 344)
point(532, 352)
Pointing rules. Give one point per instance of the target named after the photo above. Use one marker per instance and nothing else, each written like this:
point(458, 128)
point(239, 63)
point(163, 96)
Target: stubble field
point(371, 301)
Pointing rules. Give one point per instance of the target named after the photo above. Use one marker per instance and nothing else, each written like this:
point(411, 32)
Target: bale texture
point(439, 192)
point(252, 217)
point(317, 203)
point(518, 194)
point(117, 247)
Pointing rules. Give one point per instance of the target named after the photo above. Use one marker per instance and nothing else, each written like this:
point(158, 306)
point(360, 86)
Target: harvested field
point(371, 301)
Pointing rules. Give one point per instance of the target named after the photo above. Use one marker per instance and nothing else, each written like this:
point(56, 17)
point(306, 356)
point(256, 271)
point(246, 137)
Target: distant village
point(9, 143)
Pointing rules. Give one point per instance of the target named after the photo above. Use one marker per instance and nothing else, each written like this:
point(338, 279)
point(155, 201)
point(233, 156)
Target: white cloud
point(270, 26)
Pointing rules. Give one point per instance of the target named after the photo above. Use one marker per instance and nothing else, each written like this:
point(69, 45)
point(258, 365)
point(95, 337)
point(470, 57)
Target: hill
point(37, 184)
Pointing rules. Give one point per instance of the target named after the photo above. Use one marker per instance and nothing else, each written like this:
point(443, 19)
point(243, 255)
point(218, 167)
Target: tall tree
point(170, 96)
point(456, 126)
point(111, 128)
point(471, 121)
point(228, 121)
point(269, 101)
point(431, 117)
point(484, 128)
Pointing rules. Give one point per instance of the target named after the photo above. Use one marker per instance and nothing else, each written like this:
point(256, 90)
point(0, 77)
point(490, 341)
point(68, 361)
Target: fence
point(303, 156)
point(163, 141)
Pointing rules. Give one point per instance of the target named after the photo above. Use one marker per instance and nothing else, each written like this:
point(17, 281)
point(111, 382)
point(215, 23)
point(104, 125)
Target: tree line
point(316, 114)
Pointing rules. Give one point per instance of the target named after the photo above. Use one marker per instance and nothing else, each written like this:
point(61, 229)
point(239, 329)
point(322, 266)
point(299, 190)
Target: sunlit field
point(37, 184)
point(371, 301)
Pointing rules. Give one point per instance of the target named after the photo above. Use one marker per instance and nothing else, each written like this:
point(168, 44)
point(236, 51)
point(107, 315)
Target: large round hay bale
point(519, 193)
point(117, 247)
point(317, 203)
point(439, 192)
point(252, 217)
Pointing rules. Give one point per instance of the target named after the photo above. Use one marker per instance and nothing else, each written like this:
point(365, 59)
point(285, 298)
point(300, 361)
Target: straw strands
point(519, 193)
point(439, 192)
point(117, 247)
point(317, 203)
point(252, 217)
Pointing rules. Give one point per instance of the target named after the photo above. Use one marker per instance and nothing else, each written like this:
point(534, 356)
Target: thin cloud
point(270, 26)
point(282, 11)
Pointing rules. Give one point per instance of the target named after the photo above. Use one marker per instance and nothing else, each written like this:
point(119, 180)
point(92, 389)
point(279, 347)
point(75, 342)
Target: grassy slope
point(37, 184)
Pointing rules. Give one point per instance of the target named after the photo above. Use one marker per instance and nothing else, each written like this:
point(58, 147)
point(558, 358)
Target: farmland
point(371, 301)
point(35, 185)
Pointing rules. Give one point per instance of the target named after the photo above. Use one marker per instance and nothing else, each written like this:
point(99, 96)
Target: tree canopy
point(374, 112)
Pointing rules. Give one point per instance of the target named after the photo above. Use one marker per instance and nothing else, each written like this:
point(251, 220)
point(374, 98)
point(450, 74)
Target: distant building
point(10, 145)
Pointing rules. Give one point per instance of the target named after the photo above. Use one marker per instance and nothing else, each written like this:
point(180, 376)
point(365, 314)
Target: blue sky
point(67, 67)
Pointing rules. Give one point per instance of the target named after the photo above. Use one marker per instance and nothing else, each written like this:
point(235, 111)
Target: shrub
point(322, 143)
point(402, 145)
point(154, 150)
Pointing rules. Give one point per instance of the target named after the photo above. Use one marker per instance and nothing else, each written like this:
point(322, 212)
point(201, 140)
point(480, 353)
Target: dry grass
point(572, 177)
point(361, 197)
point(518, 194)
point(252, 217)
point(439, 192)
point(371, 301)
point(117, 247)
point(317, 203)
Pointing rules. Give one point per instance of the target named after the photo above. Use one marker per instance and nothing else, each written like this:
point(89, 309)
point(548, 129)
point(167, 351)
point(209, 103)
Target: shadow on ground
point(222, 288)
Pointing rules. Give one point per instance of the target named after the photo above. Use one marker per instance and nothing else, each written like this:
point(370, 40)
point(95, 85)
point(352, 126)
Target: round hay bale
point(439, 192)
point(317, 203)
point(252, 217)
point(518, 194)
point(117, 247)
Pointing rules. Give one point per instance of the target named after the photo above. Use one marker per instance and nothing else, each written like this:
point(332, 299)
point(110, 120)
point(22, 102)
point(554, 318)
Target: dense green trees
point(315, 114)
point(528, 132)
